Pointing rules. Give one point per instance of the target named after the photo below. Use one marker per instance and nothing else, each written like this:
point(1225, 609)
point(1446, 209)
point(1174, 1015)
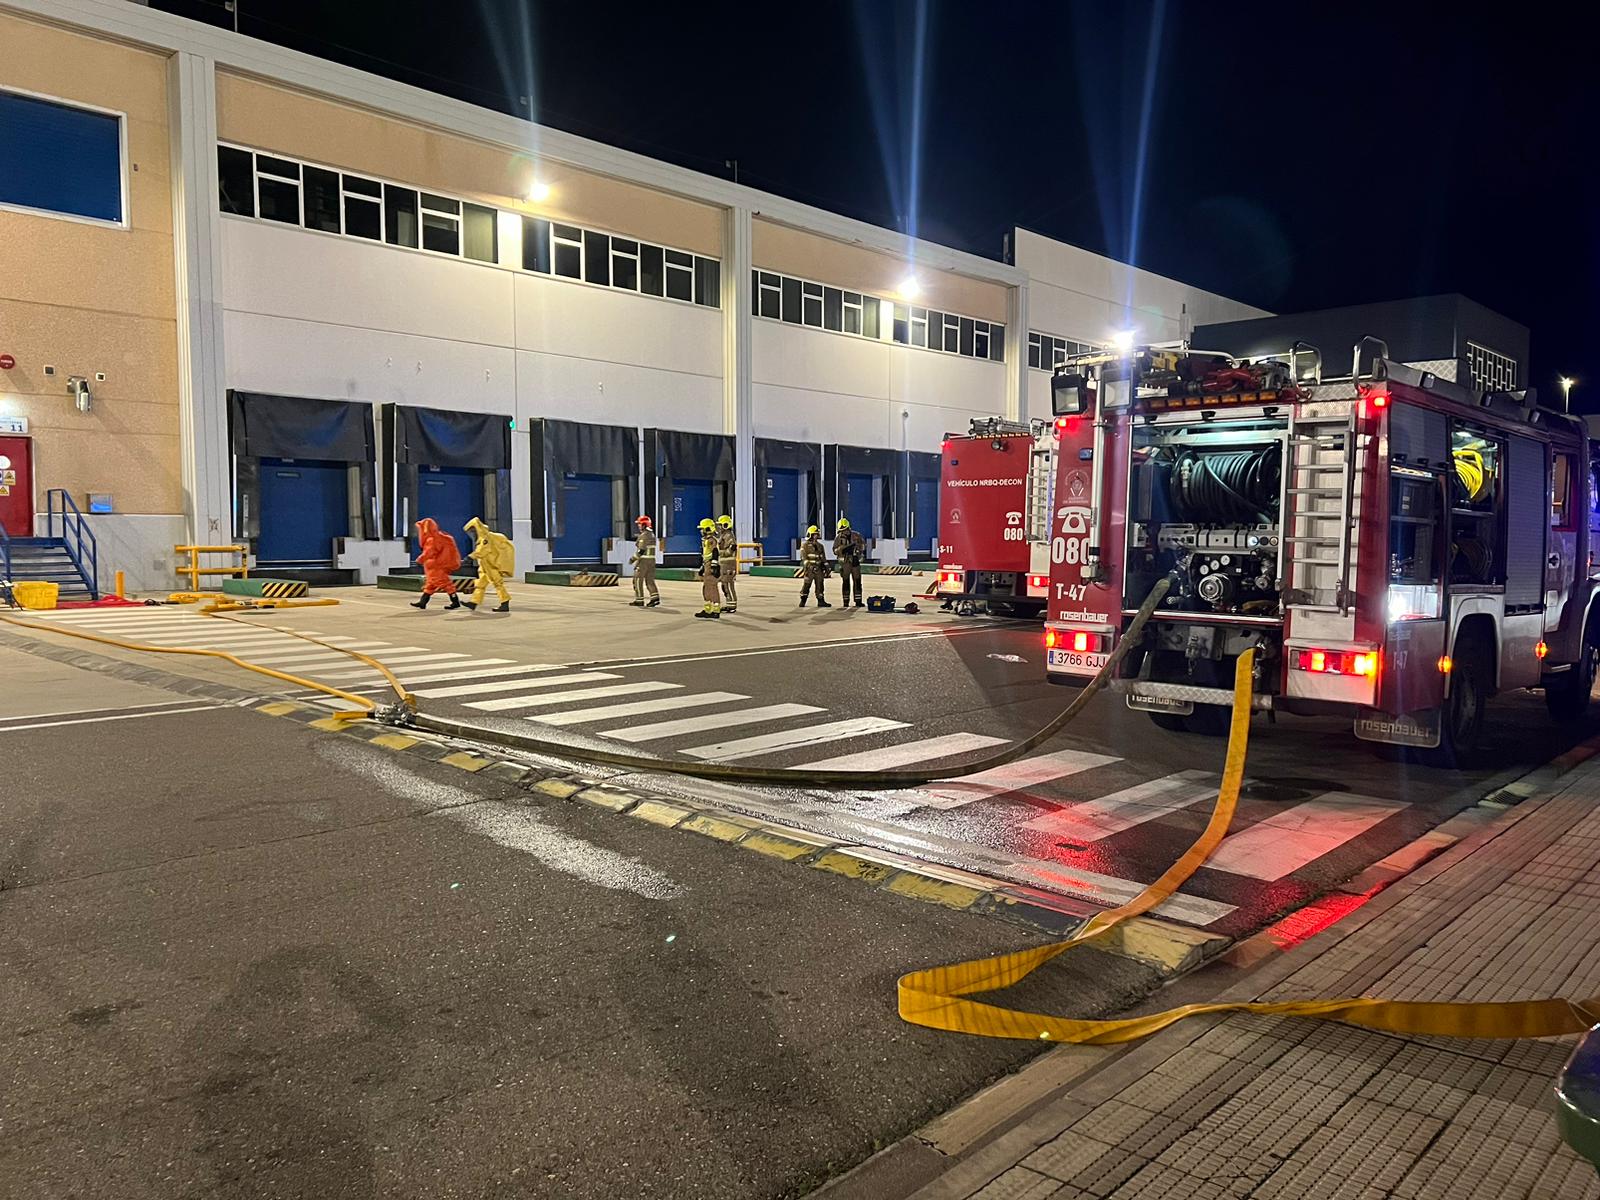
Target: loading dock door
point(303, 509)
point(925, 516)
point(783, 513)
point(589, 518)
point(858, 503)
point(451, 496)
point(691, 504)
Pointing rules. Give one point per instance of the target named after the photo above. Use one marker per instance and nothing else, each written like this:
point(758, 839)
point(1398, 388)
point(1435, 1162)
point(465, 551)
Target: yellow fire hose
point(937, 997)
point(366, 706)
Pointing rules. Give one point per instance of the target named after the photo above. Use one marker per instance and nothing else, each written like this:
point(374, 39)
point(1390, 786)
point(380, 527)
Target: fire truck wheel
point(1567, 694)
point(1462, 720)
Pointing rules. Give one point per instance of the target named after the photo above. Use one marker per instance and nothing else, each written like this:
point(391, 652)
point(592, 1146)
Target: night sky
point(1287, 158)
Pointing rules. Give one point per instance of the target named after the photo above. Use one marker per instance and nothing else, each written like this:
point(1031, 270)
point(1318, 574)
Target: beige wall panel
point(49, 261)
point(112, 418)
point(149, 180)
point(300, 126)
point(822, 260)
point(139, 355)
point(75, 66)
point(140, 470)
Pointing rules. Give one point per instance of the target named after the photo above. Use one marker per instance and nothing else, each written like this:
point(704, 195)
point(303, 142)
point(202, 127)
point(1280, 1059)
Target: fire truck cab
point(995, 486)
point(1397, 547)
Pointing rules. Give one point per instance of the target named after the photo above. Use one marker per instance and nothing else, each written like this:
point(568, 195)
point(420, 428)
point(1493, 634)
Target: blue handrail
point(5, 553)
point(75, 535)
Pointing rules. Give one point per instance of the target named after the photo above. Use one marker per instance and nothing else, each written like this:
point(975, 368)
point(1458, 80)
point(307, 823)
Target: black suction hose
point(786, 778)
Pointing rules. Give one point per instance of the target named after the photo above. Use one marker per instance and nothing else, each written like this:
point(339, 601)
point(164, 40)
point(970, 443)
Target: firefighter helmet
point(725, 521)
point(643, 522)
point(844, 522)
point(708, 523)
point(810, 530)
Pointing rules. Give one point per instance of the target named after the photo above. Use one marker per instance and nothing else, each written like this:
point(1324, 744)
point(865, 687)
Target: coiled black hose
point(1230, 487)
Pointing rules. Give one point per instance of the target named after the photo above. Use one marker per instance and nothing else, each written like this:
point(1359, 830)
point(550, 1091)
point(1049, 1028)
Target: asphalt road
point(242, 958)
point(1328, 805)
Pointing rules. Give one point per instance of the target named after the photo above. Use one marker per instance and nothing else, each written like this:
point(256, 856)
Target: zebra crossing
point(1078, 821)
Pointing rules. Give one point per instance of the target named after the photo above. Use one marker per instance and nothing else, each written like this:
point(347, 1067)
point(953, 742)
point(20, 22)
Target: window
point(980, 339)
point(1561, 506)
point(652, 270)
point(278, 189)
point(791, 301)
point(625, 264)
point(568, 241)
point(536, 245)
point(441, 224)
point(680, 275)
point(997, 342)
point(399, 215)
point(902, 324)
point(481, 236)
point(832, 309)
point(596, 257)
point(852, 312)
point(1413, 528)
point(60, 158)
point(871, 310)
point(708, 282)
point(1476, 552)
point(811, 304)
point(363, 207)
point(919, 327)
point(950, 333)
point(769, 296)
point(323, 200)
point(236, 177)
point(966, 336)
point(1035, 349)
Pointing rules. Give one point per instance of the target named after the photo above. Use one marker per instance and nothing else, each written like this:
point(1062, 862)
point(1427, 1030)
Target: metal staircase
point(67, 555)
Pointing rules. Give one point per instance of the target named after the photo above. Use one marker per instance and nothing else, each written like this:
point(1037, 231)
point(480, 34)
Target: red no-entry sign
point(7, 362)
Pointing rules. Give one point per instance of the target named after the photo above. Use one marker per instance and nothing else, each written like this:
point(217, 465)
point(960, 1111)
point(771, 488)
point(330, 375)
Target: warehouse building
point(252, 296)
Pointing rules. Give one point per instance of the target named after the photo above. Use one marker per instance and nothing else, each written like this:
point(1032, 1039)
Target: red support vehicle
point(995, 489)
point(1396, 547)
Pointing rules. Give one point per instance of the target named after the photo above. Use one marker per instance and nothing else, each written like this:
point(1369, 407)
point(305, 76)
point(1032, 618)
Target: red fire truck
point(1396, 546)
point(994, 517)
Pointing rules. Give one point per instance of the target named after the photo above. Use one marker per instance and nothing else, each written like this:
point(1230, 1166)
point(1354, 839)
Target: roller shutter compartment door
point(451, 496)
point(691, 504)
point(858, 503)
point(925, 516)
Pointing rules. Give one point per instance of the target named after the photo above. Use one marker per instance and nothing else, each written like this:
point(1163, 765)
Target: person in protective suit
point(496, 558)
point(710, 568)
point(644, 565)
point(728, 556)
point(849, 548)
point(813, 567)
point(440, 555)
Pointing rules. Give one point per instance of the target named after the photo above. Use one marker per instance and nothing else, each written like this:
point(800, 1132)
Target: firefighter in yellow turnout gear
point(813, 567)
point(728, 561)
point(496, 558)
point(849, 548)
point(710, 568)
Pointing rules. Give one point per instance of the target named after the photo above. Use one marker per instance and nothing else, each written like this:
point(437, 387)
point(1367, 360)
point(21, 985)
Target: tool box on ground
point(880, 603)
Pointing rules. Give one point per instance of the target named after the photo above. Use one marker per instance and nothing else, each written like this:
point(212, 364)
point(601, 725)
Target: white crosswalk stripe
point(482, 672)
point(743, 716)
point(1014, 777)
point(927, 750)
point(611, 712)
point(421, 672)
point(792, 739)
point(1091, 820)
point(306, 653)
point(396, 661)
point(512, 685)
point(1281, 844)
point(1112, 890)
point(510, 703)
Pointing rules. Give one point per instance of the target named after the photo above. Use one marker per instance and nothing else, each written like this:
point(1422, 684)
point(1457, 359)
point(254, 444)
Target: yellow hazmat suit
point(496, 558)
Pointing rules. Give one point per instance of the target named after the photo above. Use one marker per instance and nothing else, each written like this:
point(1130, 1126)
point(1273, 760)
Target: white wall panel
point(580, 389)
point(797, 414)
point(560, 317)
point(280, 270)
point(311, 358)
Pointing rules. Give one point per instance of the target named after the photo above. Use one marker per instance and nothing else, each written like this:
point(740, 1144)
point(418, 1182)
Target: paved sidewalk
point(1258, 1107)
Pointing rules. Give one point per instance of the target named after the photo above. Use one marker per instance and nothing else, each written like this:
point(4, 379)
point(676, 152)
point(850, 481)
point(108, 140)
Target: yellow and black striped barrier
point(266, 589)
point(594, 579)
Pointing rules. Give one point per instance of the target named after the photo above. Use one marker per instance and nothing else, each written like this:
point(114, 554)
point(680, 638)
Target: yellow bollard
point(121, 592)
